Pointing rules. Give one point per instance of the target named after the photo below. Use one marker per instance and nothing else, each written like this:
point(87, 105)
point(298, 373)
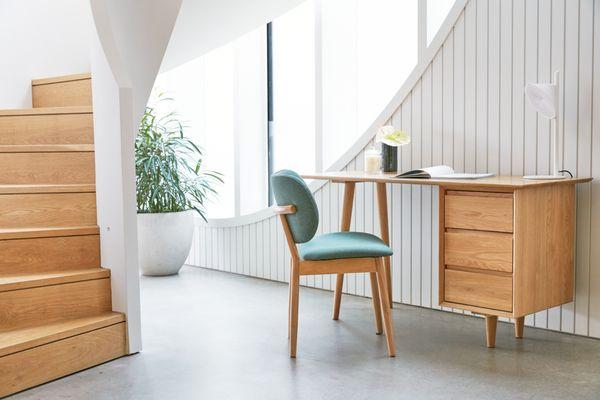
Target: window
point(334, 64)
point(222, 98)
point(437, 10)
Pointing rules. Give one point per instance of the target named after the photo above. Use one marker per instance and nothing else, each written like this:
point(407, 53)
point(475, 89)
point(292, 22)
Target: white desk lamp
point(543, 97)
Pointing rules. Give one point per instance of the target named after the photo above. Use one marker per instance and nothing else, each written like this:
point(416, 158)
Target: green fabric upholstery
point(289, 189)
point(335, 245)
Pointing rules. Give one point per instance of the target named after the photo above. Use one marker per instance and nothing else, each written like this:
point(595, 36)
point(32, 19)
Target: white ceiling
point(203, 25)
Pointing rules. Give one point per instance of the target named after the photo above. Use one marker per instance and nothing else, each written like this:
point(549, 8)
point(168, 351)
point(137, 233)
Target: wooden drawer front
point(477, 210)
point(476, 249)
point(478, 289)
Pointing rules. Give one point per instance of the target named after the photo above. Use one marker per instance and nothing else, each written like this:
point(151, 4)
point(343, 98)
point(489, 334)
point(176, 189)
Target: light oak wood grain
point(488, 213)
point(476, 249)
point(62, 93)
point(46, 148)
point(344, 265)
point(28, 280)
point(31, 307)
point(519, 327)
point(491, 322)
point(22, 339)
point(495, 183)
point(27, 233)
point(346, 219)
point(40, 255)
point(388, 324)
point(22, 370)
point(42, 210)
point(544, 232)
point(382, 211)
point(30, 189)
point(478, 289)
point(46, 111)
point(62, 78)
point(47, 168)
point(476, 310)
point(44, 129)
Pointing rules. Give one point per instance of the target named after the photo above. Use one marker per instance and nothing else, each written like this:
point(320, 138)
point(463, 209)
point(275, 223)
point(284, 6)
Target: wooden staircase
point(55, 300)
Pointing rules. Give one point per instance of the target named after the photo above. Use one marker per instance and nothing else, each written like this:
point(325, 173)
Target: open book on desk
point(440, 172)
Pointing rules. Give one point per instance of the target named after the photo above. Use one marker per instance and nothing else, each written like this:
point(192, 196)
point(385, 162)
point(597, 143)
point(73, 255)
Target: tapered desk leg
point(345, 226)
point(491, 321)
point(519, 325)
point(385, 234)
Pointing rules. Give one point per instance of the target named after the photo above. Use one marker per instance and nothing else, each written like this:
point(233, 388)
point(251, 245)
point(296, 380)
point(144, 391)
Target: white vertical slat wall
point(467, 109)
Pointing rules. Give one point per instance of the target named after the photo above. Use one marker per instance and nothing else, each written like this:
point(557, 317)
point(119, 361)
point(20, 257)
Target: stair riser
point(46, 168)
point(47, 129)
point(41, 210)
point(28, 307)
point(42, 364)
point(62, 94)
point(28, 256)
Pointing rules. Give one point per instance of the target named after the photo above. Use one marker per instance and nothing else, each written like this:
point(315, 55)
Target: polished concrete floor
point(212, 335)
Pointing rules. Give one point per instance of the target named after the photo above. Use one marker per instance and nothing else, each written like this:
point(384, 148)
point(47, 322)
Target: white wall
point(37, 41)
point(464, 107)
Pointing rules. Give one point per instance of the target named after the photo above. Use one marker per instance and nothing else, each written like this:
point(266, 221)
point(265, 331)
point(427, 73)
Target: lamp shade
point(543, 98)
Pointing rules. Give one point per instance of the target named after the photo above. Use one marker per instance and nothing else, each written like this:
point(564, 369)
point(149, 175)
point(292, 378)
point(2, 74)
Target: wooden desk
point(505, 243)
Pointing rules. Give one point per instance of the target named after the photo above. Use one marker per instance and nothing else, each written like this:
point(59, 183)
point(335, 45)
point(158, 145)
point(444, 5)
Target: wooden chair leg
point(337, 296)
point(376, 303)
point(295, 297)
point(290, 308)
point(519, 325)
point(385, 308)
point(491, 321)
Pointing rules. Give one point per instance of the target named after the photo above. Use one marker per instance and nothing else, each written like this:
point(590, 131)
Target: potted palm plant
point(171, 186)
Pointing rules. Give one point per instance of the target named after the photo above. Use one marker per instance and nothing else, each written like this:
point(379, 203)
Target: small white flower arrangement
point(391, 136)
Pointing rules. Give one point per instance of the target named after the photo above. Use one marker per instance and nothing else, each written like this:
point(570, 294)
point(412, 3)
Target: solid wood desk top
point(499, 182)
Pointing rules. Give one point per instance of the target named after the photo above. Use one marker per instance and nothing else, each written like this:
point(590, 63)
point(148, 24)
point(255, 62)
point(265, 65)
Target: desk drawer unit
point(479, 289)
point(492, 251)
point(482, 211)
point(477, 250)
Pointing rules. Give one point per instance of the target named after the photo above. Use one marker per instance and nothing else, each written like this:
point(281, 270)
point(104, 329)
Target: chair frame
point(373, 265)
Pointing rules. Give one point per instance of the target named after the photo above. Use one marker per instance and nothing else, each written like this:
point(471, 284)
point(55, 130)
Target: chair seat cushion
point(331, 246)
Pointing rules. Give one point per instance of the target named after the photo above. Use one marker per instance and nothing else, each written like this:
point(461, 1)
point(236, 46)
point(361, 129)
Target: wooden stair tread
point(63, 78)
point(56, 188)
point(25, 233)
point(21, 339)
point(46, 111)
point(46, 148)
point(24, 281)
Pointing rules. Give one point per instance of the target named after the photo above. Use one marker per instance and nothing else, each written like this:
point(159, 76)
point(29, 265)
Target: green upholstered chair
point(330, 253)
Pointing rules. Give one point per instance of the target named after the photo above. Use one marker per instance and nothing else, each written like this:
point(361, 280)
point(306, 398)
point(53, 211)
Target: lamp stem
point(555, 150)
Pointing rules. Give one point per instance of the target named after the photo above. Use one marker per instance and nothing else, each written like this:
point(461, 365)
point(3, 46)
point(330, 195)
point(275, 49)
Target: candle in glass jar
point(372, 160)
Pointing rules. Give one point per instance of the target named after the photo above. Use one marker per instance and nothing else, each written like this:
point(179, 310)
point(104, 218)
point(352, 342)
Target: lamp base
point(544, 177)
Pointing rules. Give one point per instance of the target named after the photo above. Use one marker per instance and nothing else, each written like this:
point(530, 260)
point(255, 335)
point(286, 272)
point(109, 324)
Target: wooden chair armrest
point(284, 209)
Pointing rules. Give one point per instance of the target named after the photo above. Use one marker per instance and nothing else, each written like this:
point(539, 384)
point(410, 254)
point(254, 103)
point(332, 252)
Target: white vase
point(164, 241)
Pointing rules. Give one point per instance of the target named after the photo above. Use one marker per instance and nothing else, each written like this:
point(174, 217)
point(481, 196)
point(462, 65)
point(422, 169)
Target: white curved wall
point(464, 107)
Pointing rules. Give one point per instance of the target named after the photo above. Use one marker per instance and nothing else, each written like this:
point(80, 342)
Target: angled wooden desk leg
point(385, 233)
point(345, 226)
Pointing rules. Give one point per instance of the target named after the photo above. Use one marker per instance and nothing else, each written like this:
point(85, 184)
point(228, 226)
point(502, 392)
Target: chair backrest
point(289, 189)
